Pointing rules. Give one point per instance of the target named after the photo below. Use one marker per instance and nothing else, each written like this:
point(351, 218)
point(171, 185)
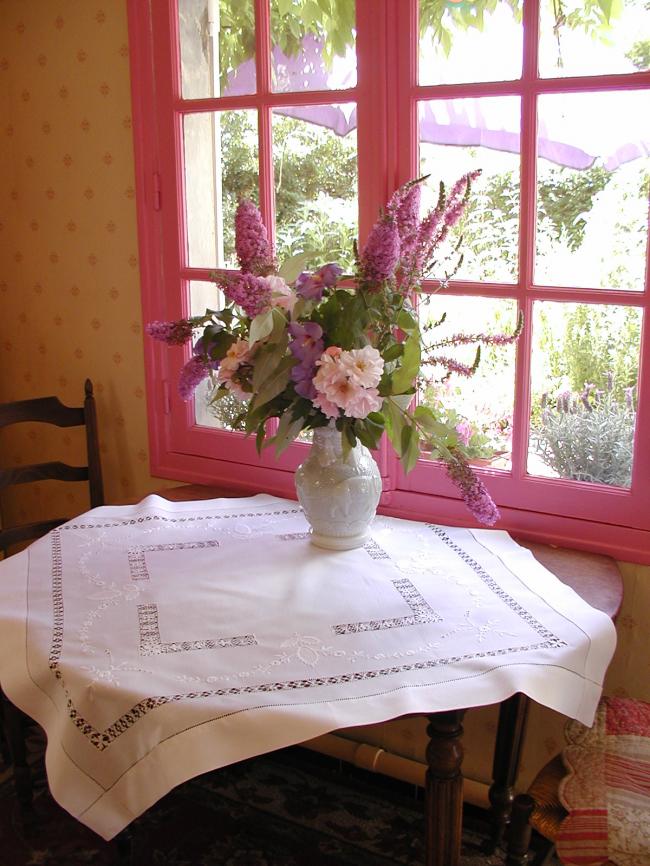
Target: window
point(318, 109)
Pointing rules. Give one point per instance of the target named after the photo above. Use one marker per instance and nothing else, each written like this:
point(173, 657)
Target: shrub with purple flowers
point(588, 436)
point(312, 349)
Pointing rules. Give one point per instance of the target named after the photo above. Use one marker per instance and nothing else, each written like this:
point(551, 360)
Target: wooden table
point(598, 581)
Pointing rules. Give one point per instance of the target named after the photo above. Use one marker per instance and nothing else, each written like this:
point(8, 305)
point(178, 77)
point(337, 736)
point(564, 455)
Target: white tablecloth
point(159, 641)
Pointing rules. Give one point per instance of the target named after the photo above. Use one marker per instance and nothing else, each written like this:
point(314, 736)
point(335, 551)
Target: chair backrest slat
point(27, 531)
point(92, 444)
point(41, 472)
point(50, 410)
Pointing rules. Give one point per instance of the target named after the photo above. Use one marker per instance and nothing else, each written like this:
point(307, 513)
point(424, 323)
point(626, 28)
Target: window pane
point(584, 372)
point(217, 47)
point(221, 167)
point(457, 136)
point(592, 190)
point(316, 204)
point(465, 42)
point(313, 45)
point(480, 406)
point(223, 414)
point(578, 37)
point(204, 296)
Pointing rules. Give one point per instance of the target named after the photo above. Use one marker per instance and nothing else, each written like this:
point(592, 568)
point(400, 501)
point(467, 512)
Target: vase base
point(338, 542)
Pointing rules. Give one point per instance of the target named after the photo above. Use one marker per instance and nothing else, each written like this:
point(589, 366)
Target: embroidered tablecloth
point(159, 641)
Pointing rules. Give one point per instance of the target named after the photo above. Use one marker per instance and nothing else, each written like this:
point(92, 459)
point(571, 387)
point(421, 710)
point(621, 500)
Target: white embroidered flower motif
point(309, 650)
point(481, 632)
point(108, 674)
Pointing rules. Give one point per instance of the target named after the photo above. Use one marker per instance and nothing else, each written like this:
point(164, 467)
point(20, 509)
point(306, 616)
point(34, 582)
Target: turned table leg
point(444, 789)
point(507, 751)
point(15, 722)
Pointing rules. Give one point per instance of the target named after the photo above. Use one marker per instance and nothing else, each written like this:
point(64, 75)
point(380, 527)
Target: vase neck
point(328, 437)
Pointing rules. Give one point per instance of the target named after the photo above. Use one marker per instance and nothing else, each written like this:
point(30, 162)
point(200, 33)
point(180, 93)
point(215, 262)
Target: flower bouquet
point(323, 349)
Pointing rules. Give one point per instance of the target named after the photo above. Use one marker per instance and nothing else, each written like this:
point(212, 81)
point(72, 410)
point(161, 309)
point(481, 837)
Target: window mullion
point(527, 230)
point(263, 67)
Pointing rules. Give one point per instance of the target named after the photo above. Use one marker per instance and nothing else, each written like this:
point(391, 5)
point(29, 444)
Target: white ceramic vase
point(338, 494)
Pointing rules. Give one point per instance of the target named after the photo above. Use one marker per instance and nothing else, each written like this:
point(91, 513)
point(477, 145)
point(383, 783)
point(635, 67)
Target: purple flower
point(306, 345)
point(302, 376)
point(172, 333)
point(407, 218)
point(459, 189)
point(473, 491)
point(310, 286)
point(381, 252)
point(254, 252)
point(192, 374)
point(429, 236)
point(251, 293)
point(457, 200)
point(329, 274)
point(452, 365)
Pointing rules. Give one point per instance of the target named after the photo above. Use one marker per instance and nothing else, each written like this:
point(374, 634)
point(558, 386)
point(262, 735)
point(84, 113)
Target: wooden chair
point(602, 776)
point(50, 411)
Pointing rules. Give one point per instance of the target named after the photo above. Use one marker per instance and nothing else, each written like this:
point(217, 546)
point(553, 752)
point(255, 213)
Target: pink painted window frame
point(586, 516)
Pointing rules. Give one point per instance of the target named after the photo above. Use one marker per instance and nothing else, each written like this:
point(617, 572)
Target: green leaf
point(348, 439)
point(426, 418)
point(288, 428)
point(344, 318)
point(259, 438)
point(218, 394)
point(274, 384)
point(284, 6)
point(606, 6)
point(267, 358)
point(279, 326)
point(403, 400)
point(261, 327)
point(294, 266)
point(367, 432)
point(406, 322)
point(310, 12)
point(409, 448)
point(395, 423)
point(218, 344)
point(392, 353)
point(403, 377)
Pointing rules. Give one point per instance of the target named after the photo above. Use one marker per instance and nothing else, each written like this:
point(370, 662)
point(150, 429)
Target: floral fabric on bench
point(607, 789)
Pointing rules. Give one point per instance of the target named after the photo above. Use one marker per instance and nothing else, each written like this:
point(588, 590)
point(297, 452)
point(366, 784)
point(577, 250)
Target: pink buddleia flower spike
point(407, 219)
point(381, 252)
point(251, 293)
point(254, 252)
point(452, 366)
point(193, 373)
point(172, 333)
point(457, 200)
point(473, 491)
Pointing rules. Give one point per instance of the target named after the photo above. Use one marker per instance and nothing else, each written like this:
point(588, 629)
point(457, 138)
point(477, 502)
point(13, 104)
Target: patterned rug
point(285, 809)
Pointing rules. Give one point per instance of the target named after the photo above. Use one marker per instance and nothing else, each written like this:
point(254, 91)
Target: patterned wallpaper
point(70, 304)
point(69, 284)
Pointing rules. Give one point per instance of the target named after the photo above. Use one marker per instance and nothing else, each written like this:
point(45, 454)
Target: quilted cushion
point(607, 789)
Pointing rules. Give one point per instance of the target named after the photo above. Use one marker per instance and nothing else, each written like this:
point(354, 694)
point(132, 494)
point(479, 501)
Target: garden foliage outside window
point(316, 110)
